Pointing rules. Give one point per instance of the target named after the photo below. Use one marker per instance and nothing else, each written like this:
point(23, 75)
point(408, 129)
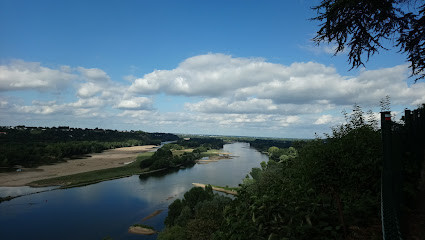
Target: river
point(108, 208)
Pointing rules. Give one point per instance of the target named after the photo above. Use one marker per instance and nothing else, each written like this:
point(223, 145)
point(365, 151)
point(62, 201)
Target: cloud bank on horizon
point(219, 94)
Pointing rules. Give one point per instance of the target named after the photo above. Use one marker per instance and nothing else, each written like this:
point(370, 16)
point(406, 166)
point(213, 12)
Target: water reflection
point(109, 208)
point(25, 190)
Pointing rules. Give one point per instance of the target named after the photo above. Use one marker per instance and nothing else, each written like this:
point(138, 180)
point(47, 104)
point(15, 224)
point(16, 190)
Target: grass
point(86, 178)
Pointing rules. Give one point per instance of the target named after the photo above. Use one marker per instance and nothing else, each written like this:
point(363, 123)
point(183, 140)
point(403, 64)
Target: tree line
point(212, 143)
point(34, 147)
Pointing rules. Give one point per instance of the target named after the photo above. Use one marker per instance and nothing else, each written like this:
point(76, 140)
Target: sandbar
point(106, 159)
point(141, 230)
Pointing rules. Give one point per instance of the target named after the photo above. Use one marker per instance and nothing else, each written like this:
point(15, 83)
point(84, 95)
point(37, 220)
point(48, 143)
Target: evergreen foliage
point(365, 27)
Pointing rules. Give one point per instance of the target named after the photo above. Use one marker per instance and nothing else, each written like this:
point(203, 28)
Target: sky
point(239, 67)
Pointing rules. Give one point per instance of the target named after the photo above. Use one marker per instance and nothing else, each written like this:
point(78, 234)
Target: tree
point(364, 26)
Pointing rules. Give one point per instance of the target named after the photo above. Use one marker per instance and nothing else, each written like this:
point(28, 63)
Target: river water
point(108, 208)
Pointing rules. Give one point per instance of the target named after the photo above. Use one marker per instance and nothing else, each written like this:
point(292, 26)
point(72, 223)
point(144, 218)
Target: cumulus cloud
point(20, 75)
point(43, 109)
point(255, 81)
point(286, 121)
point(220, 92)
point(255, 105)
point(135, 103)
point(324, 119)
point(95, 102)
point(204, 75)
point(93, 74)
point(89, 89)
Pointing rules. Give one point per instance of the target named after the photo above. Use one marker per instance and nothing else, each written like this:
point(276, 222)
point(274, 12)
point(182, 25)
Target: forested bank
point(170, 156)
point(31, 147)
point(327, 189)
point(263, 145)
point(182, 153)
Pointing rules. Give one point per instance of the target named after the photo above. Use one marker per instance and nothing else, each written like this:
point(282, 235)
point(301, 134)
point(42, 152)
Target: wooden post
point(389, 213)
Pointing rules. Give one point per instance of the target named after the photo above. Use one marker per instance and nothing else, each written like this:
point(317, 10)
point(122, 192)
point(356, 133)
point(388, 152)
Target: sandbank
point(107, 159)
point(141, 230)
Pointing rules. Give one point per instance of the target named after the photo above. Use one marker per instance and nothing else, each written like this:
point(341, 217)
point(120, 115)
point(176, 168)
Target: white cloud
point(95, 102)
point(93, 74)
point(89, 89)
point(41, 109)
point(255, 105)
point(254, 79)
point(136, 103)
point(221, 94)
point(289, 120)
point(204, 75)
point(20, 75)
point(324, 119)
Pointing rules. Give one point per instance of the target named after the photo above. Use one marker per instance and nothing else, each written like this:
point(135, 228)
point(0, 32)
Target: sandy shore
point(141, 230)
point(107, 159)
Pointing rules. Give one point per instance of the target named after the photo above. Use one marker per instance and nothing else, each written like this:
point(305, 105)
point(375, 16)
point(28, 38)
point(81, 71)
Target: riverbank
point(109, 164)
point(216, 188)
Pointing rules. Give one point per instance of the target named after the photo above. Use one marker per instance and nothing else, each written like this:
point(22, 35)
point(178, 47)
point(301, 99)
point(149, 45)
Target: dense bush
point(197, 216)
point(164, 158)
point(317, 192)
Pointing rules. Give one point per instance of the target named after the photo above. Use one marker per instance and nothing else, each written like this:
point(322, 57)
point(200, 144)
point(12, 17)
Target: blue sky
point(210, 67)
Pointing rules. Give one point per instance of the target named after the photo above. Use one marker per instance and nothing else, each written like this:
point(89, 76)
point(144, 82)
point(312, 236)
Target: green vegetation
point(164, 158)
point(209, 143)
point(197, 216)
point(169, 156)
point(87, 178)
point(31, 147)
point(324, 189)
point(175, 155)
point(282, 154)
point(263, 145)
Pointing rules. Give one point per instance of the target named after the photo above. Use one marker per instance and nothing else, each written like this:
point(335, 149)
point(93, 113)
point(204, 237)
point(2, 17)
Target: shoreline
point(218, 189)
point(120, 163)
point(113, 158)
